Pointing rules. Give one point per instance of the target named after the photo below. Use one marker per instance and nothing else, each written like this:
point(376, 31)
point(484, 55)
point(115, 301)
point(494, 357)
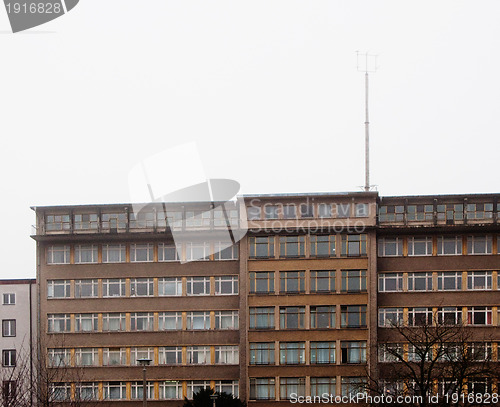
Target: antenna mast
point(366, 69)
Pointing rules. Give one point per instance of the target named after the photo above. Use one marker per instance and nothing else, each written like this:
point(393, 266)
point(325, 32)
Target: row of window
point(442, 212)
point(351, 245)
point(163, 355)
point(175, 219)
point(294, 353)
point(163, 390)
point(288, 388)
point(143, 321)
point(320, 281)
point(307, 211)
point(143, 252)
point(143, 287)
point(474, 386)
point(437, 246)
point(320, 317)
point(427, 316)
point(438, 281)
point(474, 351)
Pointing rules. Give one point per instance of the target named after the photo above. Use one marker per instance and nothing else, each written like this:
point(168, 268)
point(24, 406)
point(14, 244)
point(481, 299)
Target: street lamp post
point(213, 397)
point(144, 362)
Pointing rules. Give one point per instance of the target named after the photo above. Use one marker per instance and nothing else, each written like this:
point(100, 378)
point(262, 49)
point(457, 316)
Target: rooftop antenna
point(367, 63)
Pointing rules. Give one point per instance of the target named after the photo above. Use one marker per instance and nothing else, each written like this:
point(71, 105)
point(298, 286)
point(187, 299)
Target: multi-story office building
point(297, 307)
point(18, 341)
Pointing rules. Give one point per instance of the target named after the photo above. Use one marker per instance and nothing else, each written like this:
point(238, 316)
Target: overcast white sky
point(268, 89)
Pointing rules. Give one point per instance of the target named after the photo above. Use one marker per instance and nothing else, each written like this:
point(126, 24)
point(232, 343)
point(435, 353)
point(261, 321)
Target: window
point(170, 321)
point(388, 247)
point(343, 210)
point(197, 219)
point(58, 254)
point(58, 289)
point(85, 288)
point(60, 391)
point(420, 316)
point(113, 287)
point(353, 351)
point(57, 222)
point(479, 280)
point(353, 281)
point(361, 210)
point(292, 385)
point(262, 318)
point(85, 322)
point(198, 320)
point(168, 252)
point(227, 386)
point(225, 251)
point(450, 212)
point(449, 316)
point(171, 286)
point(292, 353)
point(58, 357)
point(85, 253)
point(449, 245)
point(391, 213)
point(479, 244)
point(420, 212)
point(172, 219)
point(253, 212)
point(322, 281)
point(8, 357)
point(420, 281)
point(113, 253)
point(322, 245)
point(170, 355)
point(292, 281)
point(261, 282)
point(227, 355)
point(113, 221)
point(479, 316)
point(226, 320)
point(170, 390)
point(140, 353)
point(86, 391)
point(198, 286)
point(261, 247)
point(194, 386)
point(292, 317)
point(354, 245)
point(113, 322)
point(225, 217)
point(198, 355)
point(323, 317)
point(270, 212)
point(352, 385)
point(289, 212)
point(142, 220)
point(141, 321)
point(323, 385)
point(389, 317)
point(262, 388)
point(262, 353)
point(306, 211)
point(114, 356)
point(141, 253)
point(226, 285)
point(353, 316)
point(141, 287)
point(322, 352)
point(449, 280)
point(115, 390)
point(58, 323)
point(480, 211)
point(86, 357)
point(480, 351)
point(390, 282)
point(197, 251)
point(479, 386)
point(9, 299)
point(324, 210)
point(390, 352)
point(420, 246)
point(292, 246)
point(9, 388)
point(86, 221)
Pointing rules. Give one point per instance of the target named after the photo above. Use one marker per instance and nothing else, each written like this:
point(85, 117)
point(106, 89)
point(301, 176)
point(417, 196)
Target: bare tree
point(16, 380)
point(434, 364)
